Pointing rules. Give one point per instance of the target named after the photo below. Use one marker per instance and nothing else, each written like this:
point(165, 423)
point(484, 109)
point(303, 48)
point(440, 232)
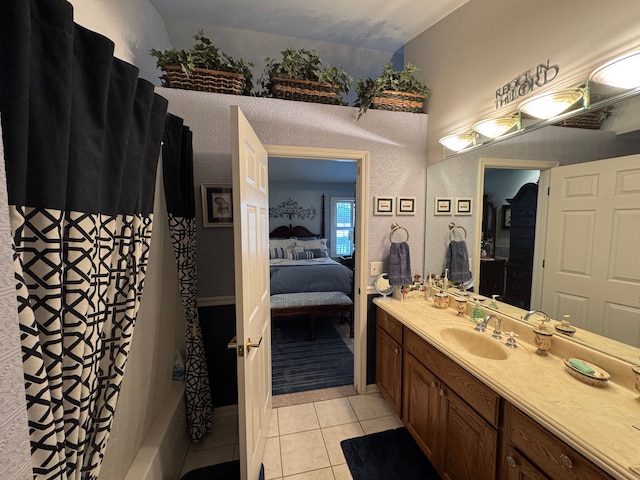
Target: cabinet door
point(518, 468)
point(389, 369)
point(543, 449)
point(421, 403)
point(471, 443)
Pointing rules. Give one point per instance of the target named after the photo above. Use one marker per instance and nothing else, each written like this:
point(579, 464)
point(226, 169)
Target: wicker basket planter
point(398, 101)
point(586, 120)
point(304, 90)
point(204, 80)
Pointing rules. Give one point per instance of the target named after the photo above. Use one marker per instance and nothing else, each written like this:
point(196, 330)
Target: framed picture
point(506, 216)
point(383, 205)
point(443, 206)
point(406, 206)
point(463, 206)
point(217, 205)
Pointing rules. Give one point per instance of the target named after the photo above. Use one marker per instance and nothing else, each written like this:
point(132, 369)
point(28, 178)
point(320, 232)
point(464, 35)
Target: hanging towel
point(400, 264)
point(458, 261)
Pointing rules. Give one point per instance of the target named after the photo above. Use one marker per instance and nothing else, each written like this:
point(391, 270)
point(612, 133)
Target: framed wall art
point(506, 216)
point(406, 206)
point(383, 205)
point(443, 206)
point(217, 205)
point(463, 206)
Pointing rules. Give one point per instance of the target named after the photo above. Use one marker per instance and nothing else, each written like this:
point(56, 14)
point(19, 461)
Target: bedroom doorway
point(313, 161)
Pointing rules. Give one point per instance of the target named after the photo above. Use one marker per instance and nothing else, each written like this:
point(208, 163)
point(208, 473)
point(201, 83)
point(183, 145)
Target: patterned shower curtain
point(82, 137)
point(177, 167)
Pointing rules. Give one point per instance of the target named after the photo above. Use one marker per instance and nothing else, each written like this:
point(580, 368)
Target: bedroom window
point(343, 224)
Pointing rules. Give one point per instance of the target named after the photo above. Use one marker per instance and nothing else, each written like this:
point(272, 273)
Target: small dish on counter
point(587, 372)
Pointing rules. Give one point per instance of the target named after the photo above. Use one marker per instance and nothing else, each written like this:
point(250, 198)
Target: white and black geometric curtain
point(82, 136)
point(177, 165)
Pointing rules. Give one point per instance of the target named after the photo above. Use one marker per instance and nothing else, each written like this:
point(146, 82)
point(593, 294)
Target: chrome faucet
point(482, 326)
point(531, 312)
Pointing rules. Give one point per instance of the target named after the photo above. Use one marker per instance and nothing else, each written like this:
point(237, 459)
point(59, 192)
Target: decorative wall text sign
point(525, 83)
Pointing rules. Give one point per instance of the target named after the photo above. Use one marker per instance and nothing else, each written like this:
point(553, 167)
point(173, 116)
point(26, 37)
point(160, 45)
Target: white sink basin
point(474, 343)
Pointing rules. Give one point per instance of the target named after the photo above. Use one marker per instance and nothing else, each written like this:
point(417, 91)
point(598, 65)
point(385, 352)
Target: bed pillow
point(303, 255)
point(318, 252)
point(278, 252)
point(305, 239)
point(311, 244)
point(283, 243)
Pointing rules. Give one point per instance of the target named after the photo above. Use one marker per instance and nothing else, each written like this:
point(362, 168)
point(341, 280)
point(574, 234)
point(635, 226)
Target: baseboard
point(226, 411)
point(165, 447)
point(216, 301)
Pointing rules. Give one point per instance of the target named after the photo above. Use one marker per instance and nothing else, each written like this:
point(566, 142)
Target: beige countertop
point(596, 421)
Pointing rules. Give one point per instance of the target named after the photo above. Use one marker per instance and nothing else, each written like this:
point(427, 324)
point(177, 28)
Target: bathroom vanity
point(481, 410)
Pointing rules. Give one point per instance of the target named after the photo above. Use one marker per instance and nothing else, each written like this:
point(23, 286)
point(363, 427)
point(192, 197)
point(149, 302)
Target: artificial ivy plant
point(390, 79)
point(205, 55)
point(302, 64)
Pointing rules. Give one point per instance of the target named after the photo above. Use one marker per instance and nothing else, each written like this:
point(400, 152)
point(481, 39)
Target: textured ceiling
point(377, 24)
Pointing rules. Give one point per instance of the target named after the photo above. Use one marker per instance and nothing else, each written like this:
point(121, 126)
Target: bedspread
point(312, 275)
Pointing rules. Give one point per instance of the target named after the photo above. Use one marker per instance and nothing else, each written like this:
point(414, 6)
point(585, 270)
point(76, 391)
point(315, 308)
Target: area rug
point(300, 364)
point(220, 471)
point(388, 455)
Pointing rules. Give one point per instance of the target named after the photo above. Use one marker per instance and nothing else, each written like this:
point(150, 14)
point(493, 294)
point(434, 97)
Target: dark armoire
point(519, 266)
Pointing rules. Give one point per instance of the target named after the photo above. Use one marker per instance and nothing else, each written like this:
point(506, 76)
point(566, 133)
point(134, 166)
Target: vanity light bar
point(495, 127)
point(551, 104)
point(459, 141)
point(621, 72)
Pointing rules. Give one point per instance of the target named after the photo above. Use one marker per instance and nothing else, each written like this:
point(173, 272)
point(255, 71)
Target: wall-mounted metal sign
point(525, 83)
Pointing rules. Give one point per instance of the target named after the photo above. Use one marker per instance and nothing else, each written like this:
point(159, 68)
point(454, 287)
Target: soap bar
point(583, 367)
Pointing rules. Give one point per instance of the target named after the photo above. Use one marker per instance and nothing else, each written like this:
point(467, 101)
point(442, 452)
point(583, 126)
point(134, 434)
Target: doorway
point(541, 168)
point(361, 161)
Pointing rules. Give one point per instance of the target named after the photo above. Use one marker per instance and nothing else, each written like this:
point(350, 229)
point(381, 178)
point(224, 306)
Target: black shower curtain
point(177, 170)
point(82, 135)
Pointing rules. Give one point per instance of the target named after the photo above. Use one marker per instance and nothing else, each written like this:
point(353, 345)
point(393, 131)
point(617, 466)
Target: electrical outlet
point(376, 268)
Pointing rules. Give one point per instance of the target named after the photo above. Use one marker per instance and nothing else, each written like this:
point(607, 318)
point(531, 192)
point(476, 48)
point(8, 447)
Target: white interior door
point(592, 265)
point(253, 323)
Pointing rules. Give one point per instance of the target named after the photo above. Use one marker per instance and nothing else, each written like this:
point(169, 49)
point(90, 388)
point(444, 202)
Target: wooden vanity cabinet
point(439, 400)
point(421, 408)
point(389, 359)
point(529, 451)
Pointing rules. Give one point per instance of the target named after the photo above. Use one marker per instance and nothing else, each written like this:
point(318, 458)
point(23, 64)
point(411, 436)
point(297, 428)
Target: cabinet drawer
point(480, 397)
point(550, 454)
point(389, 324)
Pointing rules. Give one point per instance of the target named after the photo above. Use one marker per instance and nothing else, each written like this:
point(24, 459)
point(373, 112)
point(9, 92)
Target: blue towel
point(458, 261)
point(400, 264)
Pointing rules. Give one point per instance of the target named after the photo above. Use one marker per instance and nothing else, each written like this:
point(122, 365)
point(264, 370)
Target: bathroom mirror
point(618, 135)
point(382, 286)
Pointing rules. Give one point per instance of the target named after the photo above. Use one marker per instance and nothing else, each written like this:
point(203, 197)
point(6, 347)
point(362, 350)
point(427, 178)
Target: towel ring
point(452, 227)
point(394, 228)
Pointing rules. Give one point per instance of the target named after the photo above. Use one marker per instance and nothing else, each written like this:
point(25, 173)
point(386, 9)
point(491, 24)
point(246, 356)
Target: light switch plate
point(376, 268)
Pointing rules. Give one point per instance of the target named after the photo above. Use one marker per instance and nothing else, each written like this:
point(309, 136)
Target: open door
point(592, 269)
point(253, 321)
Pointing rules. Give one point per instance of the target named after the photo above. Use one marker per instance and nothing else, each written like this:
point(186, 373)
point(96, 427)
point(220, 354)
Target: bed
point(304, 279)
point(299, 262)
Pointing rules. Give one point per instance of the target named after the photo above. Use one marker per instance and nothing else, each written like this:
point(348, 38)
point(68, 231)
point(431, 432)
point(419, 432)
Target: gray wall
point(396, 142)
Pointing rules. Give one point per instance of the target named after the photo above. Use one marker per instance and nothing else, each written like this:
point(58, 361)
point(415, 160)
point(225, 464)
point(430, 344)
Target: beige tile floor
point(304, 439)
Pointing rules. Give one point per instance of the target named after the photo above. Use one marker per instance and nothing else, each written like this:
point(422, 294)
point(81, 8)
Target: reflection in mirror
point(608, 132)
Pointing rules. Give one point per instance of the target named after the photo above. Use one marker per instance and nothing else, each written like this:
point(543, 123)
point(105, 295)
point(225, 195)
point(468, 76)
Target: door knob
point(251, 344)
point(233, 345)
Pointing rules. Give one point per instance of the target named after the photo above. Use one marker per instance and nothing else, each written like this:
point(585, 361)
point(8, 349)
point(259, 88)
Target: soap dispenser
point(565, 326)
point(494, 303)
point(477, 314)
point(542, 337)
